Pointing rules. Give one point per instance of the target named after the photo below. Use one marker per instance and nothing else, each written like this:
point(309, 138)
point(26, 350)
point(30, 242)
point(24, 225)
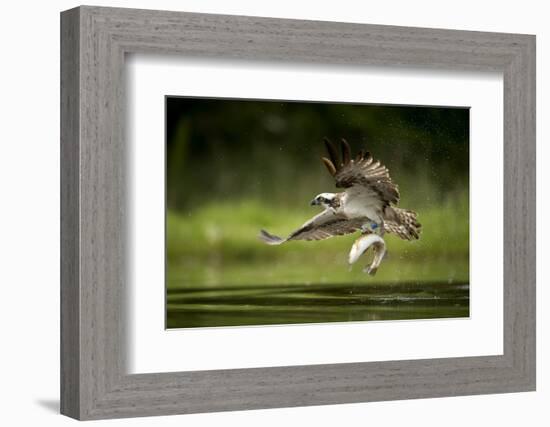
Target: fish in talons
point(362, 245)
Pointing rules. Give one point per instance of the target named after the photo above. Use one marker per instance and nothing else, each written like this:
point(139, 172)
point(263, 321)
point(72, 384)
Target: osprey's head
point(327, 200)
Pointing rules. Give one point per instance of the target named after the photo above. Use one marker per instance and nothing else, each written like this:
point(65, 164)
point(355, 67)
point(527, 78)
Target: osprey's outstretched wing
point(320, 227)
point(368, 182)
point(361, 172)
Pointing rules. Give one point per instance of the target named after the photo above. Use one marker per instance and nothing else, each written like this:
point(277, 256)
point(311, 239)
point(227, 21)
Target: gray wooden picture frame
point(94, 381)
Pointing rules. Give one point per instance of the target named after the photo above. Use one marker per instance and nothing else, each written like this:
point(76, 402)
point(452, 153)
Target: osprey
point(367, 205)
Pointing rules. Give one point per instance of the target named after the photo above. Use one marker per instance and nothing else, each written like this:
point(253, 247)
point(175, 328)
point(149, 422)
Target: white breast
point(361, 202)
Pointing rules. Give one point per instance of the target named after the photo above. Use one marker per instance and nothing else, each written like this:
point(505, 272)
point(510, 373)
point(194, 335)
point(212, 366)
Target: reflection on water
point(269, 305)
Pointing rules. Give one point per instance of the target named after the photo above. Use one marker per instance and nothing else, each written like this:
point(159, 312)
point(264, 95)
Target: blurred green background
point(236, 166)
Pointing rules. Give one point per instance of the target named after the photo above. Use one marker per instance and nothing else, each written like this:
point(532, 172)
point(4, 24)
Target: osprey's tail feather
point(270, 239)
point(404, 223)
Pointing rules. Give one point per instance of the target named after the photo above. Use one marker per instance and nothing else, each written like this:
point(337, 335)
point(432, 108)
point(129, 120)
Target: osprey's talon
point(372, 227)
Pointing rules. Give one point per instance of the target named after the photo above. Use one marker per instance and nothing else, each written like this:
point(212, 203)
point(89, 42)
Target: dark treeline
point(225, 149)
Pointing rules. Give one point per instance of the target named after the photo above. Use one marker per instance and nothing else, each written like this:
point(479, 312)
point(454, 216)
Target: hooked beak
point(314, 202)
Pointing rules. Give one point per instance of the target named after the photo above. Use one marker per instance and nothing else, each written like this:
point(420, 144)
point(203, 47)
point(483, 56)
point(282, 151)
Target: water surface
point(288, 304)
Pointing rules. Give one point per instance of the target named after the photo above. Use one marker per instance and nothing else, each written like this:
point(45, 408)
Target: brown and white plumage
point(322, 226)
point(361, 172)
point(370, 191)
point(368, 204)
point(406, 224)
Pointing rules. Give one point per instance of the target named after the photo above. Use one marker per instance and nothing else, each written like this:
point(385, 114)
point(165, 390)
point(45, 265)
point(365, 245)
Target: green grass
point(217, 245)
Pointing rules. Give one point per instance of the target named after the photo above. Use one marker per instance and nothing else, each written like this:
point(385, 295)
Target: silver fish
point(362, 245)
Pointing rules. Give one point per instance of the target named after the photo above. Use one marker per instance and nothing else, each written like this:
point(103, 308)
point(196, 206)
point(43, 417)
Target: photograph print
point(295, 212)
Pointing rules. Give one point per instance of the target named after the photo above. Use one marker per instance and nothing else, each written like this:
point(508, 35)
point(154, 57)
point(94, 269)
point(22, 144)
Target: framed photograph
point(263, 213)
point(260, 167)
